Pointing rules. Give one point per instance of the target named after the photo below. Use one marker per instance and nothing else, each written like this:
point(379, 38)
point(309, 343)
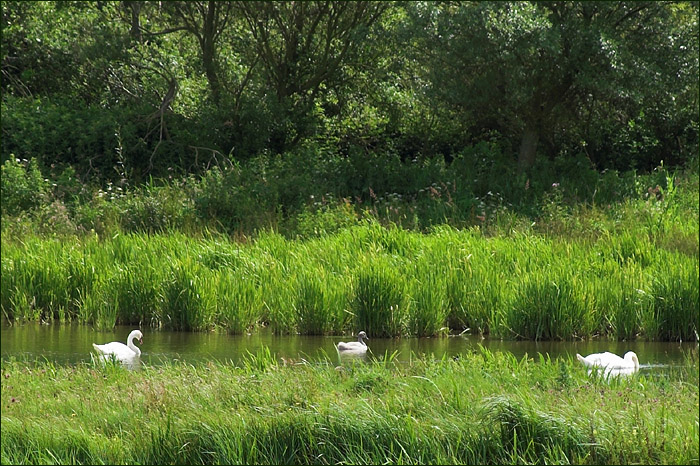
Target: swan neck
point(132, 346)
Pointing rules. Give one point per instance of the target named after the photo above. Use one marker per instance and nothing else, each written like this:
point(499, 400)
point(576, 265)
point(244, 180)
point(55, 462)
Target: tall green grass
point(239, 301)
point(624, 281)
point(321, 303)
point(483, 408)
point(428, 313)
point(622, 299)
point(674, 314)
point(551, 306)
point(522, 287)
point(381, 299)
point(475, 289)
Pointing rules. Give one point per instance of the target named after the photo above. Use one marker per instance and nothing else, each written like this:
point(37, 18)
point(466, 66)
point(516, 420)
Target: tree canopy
point(182, 85)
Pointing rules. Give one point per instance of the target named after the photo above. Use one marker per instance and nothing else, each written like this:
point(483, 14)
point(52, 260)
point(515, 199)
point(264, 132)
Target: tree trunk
point(209, 51)
point(135, 10)
point(528, 148)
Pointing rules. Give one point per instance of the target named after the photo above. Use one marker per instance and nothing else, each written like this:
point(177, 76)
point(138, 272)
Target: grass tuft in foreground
point(481, 408)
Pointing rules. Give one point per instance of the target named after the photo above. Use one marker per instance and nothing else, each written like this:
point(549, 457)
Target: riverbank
point(386, 281)
point(627, 270)
point(482, 408)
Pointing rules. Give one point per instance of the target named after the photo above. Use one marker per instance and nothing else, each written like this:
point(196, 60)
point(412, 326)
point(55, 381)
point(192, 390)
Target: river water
point(72, 344)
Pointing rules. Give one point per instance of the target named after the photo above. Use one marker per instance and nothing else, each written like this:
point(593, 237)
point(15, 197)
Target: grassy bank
point(387, 281)
point(314, 192)
point(484, 408)
point(625, 268)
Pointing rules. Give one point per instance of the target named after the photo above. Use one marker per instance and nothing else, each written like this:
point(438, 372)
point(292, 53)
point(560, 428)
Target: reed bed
point(628, 270)
point(479, 408)
point(386, 281)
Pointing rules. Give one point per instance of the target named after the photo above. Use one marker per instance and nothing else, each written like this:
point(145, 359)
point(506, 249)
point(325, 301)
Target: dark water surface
point(71, 344)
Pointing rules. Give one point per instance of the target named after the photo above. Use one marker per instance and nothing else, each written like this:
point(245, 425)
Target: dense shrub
point(23, 186)
point(95, 140)
point(313, 191)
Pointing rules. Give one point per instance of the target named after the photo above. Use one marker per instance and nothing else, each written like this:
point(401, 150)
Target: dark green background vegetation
point(571, 122)
point(163, 89)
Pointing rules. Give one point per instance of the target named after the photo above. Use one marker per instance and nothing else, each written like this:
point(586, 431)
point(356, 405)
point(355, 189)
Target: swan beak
point(141, 341)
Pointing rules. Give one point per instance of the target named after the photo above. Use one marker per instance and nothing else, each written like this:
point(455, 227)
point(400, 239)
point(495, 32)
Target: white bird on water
point(354, 347)
point(612, 364)
point(120, 351)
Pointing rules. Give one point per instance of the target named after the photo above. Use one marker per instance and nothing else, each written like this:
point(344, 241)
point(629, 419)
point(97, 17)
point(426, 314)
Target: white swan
point(122, 352)
point(611, 363)
point(354, 347)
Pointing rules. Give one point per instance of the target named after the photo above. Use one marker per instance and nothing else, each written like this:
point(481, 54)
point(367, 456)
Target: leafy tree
point(207, 21)
point(302, 46)
point(184, 85)
point(530, 68)
point(64, 48)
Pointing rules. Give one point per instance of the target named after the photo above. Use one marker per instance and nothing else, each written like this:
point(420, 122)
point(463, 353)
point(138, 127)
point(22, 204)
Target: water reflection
point(350, 357)
point(612, 372)
point(132, 363)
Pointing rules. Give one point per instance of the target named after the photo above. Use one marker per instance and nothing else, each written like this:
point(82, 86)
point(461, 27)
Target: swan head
point(362, 336)
point(136, 334)
point(632, 356)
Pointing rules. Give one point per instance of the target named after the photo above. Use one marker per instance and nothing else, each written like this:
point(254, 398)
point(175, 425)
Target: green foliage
point(174, 89)
point(380, 303)
point(119, 144)
point(325, 217)
point(321, 302)
point(137, 295)
point(551, 306)
point(621, 298)
point(531, 436)
point(157, 209)
point(60, 132)
point(475, 295)
point(239, 301)
point(428, 312)
point(234, 200)
point(374, 259)
point(622, 281)
point(188, 297)
point(675, 314)
point(482, 408)
point(23, 186)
